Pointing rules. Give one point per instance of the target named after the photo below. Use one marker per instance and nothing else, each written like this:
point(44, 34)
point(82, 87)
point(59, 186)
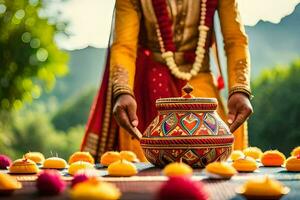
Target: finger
point(231, 115)
point(120, 115)
point(131, 111)
point(239, 120)
point(123, 120)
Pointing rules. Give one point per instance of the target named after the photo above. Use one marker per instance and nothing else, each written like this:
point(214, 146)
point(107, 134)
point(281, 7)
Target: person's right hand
point(125, 113)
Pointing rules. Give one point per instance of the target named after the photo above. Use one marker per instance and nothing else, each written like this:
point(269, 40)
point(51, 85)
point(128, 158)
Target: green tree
point(275, 122)
point(33, 131)
point(30, 61)
point(75, 111)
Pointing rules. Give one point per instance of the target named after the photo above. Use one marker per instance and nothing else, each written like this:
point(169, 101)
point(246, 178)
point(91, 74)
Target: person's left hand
point(239, 108)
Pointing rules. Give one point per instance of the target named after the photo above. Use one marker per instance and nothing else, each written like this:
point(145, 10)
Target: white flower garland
point(168, 56)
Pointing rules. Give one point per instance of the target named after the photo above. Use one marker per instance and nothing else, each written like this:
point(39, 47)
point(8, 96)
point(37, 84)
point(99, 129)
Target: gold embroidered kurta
point(136, 17)
point(185, 14)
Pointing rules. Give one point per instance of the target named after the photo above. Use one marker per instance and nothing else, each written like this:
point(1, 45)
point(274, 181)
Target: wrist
point(241, 90)
point(119, 90)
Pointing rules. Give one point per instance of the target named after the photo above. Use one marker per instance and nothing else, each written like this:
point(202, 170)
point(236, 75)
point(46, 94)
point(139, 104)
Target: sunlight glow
point(90, 19)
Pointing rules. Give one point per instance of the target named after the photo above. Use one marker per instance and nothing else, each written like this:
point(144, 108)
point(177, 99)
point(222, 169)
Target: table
point(145, 184)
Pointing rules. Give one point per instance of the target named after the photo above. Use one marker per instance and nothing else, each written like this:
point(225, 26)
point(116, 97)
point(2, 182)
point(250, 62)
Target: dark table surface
point(149, 179)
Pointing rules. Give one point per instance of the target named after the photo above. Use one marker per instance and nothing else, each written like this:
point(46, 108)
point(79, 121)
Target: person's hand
point(125, 113)
point(239, 108)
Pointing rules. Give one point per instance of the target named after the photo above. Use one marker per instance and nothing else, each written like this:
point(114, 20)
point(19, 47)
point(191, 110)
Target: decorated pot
point(187, 129)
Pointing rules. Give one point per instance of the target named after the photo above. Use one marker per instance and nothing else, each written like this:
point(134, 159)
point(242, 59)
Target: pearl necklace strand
point(168, 56)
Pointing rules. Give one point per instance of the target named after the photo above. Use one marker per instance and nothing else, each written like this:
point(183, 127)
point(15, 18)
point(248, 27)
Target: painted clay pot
point(187, 129)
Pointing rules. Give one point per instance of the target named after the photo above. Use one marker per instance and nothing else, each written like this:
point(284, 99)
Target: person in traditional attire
point(159, 46)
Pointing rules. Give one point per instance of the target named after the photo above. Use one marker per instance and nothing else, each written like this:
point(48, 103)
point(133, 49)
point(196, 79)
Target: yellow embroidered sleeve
point(124, 46)
point(236, 47)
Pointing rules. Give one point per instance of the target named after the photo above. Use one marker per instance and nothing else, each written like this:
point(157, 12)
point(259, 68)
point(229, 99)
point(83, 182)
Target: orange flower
point(273, 158)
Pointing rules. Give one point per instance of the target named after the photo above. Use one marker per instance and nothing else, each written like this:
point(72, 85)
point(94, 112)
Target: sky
point(90, 20)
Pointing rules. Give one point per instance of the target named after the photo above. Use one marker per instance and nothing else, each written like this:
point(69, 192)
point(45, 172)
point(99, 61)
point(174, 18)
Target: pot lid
point(187, 102)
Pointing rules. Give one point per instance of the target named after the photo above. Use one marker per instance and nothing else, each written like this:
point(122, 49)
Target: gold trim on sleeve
point(241, 89)
point(120, 82)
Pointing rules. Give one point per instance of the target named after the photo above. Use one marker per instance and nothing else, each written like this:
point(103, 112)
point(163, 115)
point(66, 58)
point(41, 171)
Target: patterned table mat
point(149, 179)
point(147, 172)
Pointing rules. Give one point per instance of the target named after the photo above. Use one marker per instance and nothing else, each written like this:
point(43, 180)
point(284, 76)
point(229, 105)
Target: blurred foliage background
point(46, 92)
point(30, 64)
point(275, 122)
point(30, 61)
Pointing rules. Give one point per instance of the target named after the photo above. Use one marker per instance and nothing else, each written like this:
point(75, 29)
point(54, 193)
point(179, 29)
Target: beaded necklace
point(167, 46)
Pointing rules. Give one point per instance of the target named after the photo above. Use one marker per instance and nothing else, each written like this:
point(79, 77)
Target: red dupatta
point(101, 133)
